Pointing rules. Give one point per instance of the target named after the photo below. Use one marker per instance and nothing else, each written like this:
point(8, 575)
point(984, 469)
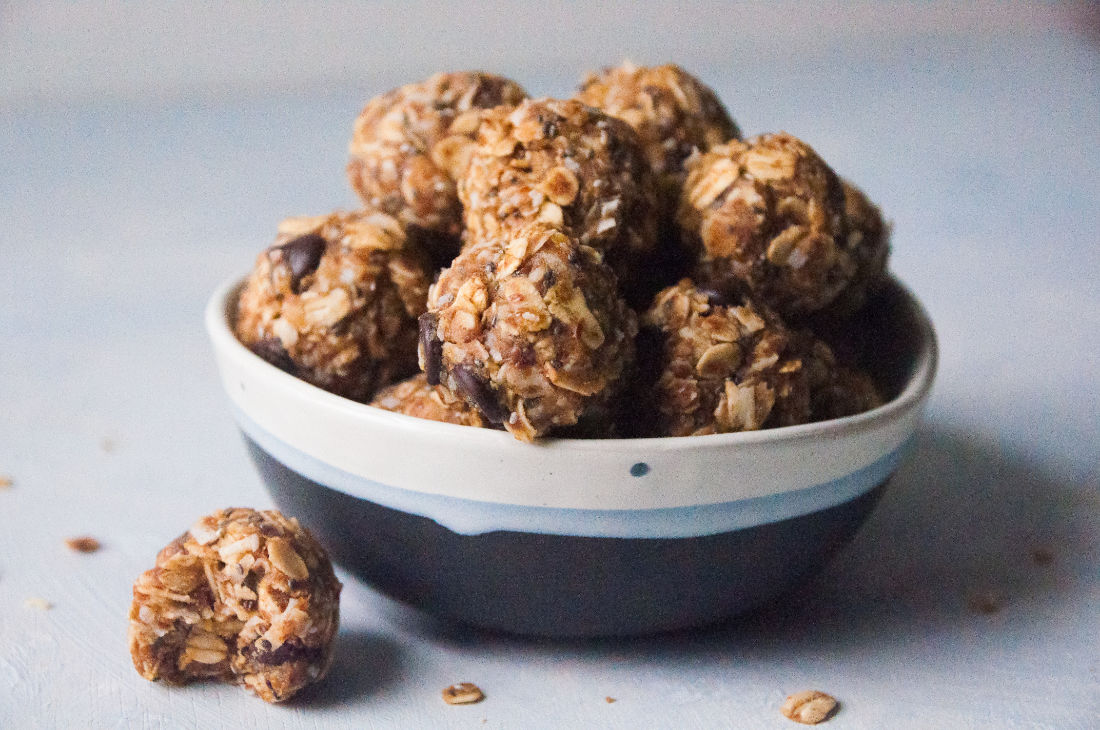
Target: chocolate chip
point(431, 349)
point(620, 150)
point(272, 350)
point(480, 394)
point(526, 357)
point(490, 93)
point(288, 652)
point(303, 256)
point(714, 297)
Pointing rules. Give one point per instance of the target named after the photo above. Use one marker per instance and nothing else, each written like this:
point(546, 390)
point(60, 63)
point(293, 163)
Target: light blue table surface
point(122, 207)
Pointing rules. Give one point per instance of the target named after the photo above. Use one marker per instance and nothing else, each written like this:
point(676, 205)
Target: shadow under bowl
point(572, 537)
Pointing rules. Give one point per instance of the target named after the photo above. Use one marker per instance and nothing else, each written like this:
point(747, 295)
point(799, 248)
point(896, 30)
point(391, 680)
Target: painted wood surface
point(970, 599)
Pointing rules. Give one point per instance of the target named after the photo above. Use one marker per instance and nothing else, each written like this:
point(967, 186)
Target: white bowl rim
point(912, 394)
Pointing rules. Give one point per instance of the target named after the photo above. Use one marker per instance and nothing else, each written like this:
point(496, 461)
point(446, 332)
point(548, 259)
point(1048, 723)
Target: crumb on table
point(83, 544)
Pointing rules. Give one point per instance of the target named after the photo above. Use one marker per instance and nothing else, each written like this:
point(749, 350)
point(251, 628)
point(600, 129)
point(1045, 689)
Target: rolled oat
point(809, 708)
point(463, 693)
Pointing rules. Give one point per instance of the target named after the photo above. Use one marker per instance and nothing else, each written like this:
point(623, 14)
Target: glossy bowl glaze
point(571, 537)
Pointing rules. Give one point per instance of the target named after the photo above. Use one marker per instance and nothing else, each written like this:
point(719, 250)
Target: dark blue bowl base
point(563, 586)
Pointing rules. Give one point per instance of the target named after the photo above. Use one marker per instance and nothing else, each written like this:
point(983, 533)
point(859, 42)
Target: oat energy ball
point(570, 167)
point(244, 597)
point(769, 217)
point(724, 365)
point(528, 327)
point(335, 302)
point(836, 389)
point(673, 113)
point(847, 392)
point(732, 365)
point(411, 144)
point(868, 238)
point(414, 397)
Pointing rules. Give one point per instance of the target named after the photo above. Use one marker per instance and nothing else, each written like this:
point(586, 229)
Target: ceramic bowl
point(571, 537)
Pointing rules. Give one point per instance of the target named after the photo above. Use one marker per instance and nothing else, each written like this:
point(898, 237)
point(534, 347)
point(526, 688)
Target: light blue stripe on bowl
point(472, 517)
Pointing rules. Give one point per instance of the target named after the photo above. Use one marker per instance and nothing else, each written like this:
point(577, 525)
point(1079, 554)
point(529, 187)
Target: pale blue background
point(147, 152)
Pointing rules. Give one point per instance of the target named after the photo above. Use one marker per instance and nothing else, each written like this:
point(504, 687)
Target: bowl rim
point(220, 306)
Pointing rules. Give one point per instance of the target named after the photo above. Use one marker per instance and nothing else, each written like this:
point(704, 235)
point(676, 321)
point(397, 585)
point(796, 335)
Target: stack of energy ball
point(621, 263)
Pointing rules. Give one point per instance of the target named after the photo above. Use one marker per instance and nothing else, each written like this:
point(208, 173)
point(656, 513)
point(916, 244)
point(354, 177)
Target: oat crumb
point(6, 481)
point(609, 699)
point(809, 707)
point(463, 693)
point(107, 444)
point(83, 544)
point(40, 604)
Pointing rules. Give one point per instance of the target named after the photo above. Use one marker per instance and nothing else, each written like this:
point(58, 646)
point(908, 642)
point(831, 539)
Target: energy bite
point(722, 365)
point(845, 391)
point(243, 597)
point(869, 244)
point(411, 144)
point(566, 165)
point(527, 326)
point(767, 216)
point(415, 397)
point(335, 302)
point(674, 114)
